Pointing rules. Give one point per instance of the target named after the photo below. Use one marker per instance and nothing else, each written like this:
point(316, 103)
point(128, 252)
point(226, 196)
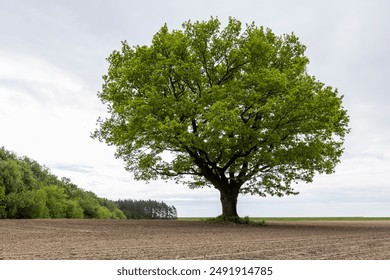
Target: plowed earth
point(150, 239)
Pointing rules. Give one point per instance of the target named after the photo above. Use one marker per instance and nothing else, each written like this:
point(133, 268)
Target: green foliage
point(2, 202)
point(28, 190)
point(11, 176)
point(90, 204)
point(2, 193)
point(59, 204)
point(28, 204)
point(103, 213)
point(231, 108)
point(73, 210)
point(146, 209)
point(118, 214)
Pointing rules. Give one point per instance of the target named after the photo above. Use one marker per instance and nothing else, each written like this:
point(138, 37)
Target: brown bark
point(229, 202)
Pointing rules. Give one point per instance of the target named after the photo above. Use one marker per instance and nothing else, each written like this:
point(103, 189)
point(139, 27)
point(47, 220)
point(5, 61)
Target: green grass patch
point(303, 219)
point(227, 220)
point(192, 219)
point(247, 220)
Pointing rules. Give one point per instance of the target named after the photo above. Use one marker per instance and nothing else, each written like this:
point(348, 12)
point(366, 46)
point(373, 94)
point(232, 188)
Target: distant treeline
point(28, 190)
point(146, 209)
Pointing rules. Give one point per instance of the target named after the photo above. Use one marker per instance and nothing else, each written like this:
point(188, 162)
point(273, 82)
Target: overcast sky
point(52, 58)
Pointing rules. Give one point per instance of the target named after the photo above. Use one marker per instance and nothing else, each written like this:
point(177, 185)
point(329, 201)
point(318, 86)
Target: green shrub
point(27, 204)
point(73, 210)
point(103, 213)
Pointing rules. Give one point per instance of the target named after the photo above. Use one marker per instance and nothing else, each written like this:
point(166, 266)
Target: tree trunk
point(229, 203)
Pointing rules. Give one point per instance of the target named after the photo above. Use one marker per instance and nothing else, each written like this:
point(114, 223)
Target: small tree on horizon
point(228, 108)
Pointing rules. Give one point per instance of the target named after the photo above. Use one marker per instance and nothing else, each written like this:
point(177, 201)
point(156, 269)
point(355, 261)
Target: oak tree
point(229, 107)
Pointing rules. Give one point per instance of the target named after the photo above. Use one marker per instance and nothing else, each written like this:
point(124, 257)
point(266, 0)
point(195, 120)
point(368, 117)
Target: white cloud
point(36, 79)
point(44, 109)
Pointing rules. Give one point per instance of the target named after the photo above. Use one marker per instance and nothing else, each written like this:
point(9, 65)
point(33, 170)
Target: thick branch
point(194, 127)
point(229, 71)
point(170, 173)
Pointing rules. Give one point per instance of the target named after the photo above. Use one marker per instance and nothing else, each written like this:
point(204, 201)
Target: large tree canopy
point(231, 108)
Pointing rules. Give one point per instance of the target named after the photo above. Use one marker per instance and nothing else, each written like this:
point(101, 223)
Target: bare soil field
point(151, 239)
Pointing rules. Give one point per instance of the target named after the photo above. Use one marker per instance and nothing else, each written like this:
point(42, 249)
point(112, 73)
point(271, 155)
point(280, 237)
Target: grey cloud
point(79, 168)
